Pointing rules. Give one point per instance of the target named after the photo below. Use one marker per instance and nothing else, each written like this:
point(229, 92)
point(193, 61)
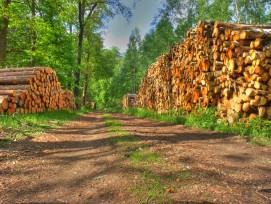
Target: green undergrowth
point(171, 116)
point(22, 126)
point(257, 131)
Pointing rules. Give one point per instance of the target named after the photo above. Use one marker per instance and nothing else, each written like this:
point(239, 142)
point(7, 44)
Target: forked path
point(77, 164)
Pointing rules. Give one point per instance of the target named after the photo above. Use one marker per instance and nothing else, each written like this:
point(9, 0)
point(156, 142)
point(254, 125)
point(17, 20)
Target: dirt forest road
point(78, 163)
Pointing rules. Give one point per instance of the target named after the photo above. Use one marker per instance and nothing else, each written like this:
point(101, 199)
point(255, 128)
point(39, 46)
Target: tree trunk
point(81, 15)
point(82, 19)
point(85, 89)
point(3, 33)
point(134, 79)
point(86, 83)
point(34, 34)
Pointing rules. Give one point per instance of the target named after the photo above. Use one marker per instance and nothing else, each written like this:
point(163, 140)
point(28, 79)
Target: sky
point(118, 32)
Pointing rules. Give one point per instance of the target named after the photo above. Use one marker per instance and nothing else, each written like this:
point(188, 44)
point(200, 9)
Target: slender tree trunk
point(81, 16)
point(34, 34)
point(3, 33)
point(82, 19)
point(134, 79)
point(86, 84)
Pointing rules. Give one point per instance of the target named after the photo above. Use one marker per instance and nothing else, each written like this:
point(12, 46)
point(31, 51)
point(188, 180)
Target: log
point(15, 80)
point(255, 33)
point(262, 111)
point(29, 73)
point(23, 69)
point(4, 102)
point(14, 93)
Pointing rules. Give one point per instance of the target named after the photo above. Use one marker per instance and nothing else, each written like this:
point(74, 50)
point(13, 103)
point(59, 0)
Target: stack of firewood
point(29, 90)
point(219, 64)
point(68, 100)
point(128, 101)
point(245, 87)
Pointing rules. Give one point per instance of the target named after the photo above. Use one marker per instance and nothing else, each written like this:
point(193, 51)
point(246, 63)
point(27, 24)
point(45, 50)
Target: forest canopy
point(67, 36)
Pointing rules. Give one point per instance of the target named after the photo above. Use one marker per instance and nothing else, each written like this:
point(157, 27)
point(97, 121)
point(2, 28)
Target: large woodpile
point(220, 64)
point(29, 90)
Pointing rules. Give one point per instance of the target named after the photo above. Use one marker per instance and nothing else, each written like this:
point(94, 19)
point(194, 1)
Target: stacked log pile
point(128, 101)
point(29, 90)
point(218, 64)
point(68, 100)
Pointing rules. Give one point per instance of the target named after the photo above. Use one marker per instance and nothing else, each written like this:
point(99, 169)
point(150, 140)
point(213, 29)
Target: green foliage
point(250, 11)
point(113, 124)
point(259, 128)
point(84, 110)
point(236, 128)
point(54, 45)
point(203, 119)
point(215, 10)
point(171, 117)
point(105, 89)
point(185, 14)
point(155, 43)
point(131, 62)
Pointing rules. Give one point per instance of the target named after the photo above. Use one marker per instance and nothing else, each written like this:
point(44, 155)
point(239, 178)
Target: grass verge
point(22, 126)
point(171, 116)
point(257, 131)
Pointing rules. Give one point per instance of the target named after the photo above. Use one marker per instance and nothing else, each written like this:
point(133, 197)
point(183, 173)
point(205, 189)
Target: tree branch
point(94, 5)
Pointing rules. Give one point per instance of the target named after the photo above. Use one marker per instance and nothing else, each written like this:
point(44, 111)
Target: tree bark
point(85, 89)
point(86, 83)
point(3, 33)
point(82, 20)
point(34, 34)
point(81, 16)
point(15, 87)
